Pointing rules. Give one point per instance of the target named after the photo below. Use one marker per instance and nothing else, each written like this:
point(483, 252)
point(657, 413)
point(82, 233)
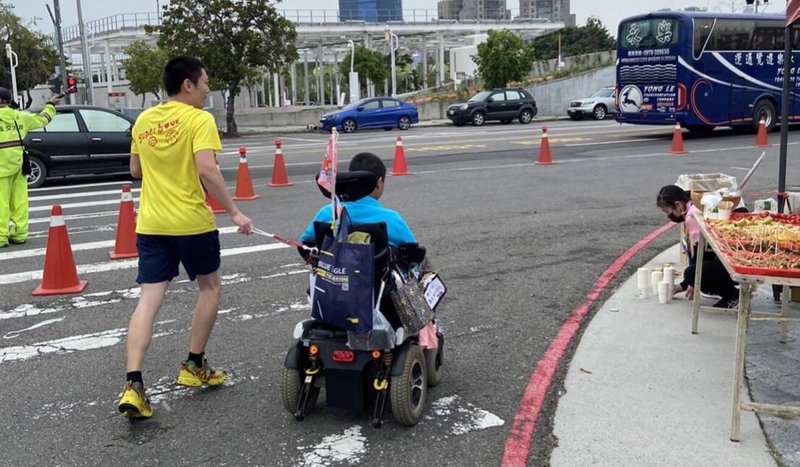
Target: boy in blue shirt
point(368, 210)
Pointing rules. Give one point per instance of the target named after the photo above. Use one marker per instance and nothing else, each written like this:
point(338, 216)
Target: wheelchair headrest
point(352, 186)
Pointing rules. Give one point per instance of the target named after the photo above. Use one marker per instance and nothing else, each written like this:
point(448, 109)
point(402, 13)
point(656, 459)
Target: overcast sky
point(610, 12)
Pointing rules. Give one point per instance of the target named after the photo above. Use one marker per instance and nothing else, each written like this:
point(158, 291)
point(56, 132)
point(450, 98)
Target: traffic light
point(55, 85)
point(70, 81)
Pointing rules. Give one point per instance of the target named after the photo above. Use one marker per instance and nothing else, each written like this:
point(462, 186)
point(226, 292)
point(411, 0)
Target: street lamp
point(394, 43)
point(13, 61)
point(355, 87)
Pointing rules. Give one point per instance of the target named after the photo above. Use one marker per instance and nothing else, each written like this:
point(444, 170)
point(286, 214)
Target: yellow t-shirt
point(166, 138)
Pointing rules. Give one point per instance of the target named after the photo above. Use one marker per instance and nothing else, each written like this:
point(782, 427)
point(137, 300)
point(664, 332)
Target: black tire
point(290, 391)
point(765, 109)
point(38, 172)
point(478, 118)
point(525, 116)
point(409, 390)
point(600, 112)
point(576, 117)
point(404, 123)
point(434, 364)
point(349, 125)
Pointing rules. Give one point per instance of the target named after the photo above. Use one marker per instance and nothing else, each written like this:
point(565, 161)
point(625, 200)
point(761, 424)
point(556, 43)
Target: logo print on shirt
point(172, 136)
point(152, 141)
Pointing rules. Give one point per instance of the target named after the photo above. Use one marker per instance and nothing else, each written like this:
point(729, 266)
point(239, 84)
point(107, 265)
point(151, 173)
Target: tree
point(37, 58)
point(235, 40)
point(368, 64)
point(503, 57)
point(575, 40)
point(144, 68)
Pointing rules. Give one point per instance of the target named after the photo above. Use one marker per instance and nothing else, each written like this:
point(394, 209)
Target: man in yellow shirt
point(172, 151)
point(14, 126)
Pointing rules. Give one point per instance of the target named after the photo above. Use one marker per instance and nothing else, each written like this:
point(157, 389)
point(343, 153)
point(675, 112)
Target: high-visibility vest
point(11, 141)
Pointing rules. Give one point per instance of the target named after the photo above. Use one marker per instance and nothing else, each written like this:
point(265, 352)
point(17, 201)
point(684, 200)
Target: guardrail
point(113, 24)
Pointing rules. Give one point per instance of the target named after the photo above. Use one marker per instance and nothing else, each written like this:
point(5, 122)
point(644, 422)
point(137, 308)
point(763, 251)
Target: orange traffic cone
point(125, 246)
point(244, 186)
point(761, 138)
point(279, 177)
point(545, 158)
point(399, 168)
point(60, 276)
point(677, 141)
point(211, 202)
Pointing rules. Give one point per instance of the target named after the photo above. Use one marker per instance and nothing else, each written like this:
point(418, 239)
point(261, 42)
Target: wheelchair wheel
point(290, 391)
point(434, 360)
point(409, 390)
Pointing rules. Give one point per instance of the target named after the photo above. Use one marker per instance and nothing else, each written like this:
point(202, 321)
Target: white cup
point(643, 281)
point(655, 278)
point(664, 292)
point(724, 214)
point(669, 275)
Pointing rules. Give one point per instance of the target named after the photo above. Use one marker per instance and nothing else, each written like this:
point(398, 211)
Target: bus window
point(727, 35)
point(648, 33)
point(767, 35)
point(702, 28)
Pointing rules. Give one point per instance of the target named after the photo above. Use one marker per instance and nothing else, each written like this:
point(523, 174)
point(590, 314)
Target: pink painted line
point(518, 444)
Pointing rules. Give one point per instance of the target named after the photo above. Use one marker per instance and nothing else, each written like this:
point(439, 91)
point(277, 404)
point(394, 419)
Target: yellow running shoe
point(134, 403)
point(192, 376)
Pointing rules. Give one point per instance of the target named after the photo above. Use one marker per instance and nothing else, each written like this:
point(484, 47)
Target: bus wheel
point(766, 110)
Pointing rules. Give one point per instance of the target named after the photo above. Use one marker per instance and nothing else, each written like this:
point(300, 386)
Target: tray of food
point(759, 244)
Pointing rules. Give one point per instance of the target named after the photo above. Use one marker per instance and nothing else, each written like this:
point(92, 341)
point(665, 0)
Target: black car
point(504, 104)
point(81, 140)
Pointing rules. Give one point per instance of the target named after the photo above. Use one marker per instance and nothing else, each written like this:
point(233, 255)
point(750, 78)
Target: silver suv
point(599, 105)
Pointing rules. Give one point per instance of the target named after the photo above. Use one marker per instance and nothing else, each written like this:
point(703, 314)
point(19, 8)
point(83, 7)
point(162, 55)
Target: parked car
point(80, 140)
point(599, 105)
point(373, 112)
point(504, 104)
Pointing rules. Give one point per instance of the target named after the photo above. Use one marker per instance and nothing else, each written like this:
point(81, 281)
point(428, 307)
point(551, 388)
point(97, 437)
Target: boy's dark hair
point(369, 162)
point(178, 70)
point(671, 194)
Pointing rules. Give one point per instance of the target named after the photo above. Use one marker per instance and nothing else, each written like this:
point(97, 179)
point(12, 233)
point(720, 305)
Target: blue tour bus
point(703, 70)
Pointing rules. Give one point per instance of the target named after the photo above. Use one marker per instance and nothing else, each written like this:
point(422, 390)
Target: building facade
point(371, 11)
point(554, 10)
point(473, 9)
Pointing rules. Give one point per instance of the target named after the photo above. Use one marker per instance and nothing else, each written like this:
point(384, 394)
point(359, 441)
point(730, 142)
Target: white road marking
point(465, 417)
point(72, 217)
point(79, 205)
point(128, 264)
point(71, 187)
point(82, 194)
point(80, 247)
point(15, 334)
point(345, 449)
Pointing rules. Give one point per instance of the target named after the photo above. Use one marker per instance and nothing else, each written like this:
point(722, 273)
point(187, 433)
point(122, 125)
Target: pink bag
point(427, 337)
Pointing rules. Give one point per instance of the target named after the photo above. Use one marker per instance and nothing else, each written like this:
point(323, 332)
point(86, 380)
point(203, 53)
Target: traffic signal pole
point(62, 64)
point(87, 59)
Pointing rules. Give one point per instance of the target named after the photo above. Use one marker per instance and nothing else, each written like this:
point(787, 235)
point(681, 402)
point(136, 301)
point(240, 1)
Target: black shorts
point(159, 256)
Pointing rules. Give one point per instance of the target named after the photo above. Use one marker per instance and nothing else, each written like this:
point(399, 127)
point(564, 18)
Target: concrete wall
point(553, 97)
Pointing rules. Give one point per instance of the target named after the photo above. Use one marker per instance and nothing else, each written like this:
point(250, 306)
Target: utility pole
point(62, 65)
point(87, 59)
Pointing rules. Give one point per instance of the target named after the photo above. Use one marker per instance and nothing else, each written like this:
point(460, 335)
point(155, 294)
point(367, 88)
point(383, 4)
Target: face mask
point(676, 219)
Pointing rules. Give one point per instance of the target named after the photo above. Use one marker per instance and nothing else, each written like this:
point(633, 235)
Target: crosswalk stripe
point(81, 194)
point(129, 264)
point(72, 217)
point(78, 205)
point(80, 247)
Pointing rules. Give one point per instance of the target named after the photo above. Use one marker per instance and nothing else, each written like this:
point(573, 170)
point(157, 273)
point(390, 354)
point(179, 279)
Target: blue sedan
point(373, 112)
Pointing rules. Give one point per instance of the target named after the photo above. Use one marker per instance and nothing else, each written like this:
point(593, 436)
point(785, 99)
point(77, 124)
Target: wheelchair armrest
point(411, 252)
